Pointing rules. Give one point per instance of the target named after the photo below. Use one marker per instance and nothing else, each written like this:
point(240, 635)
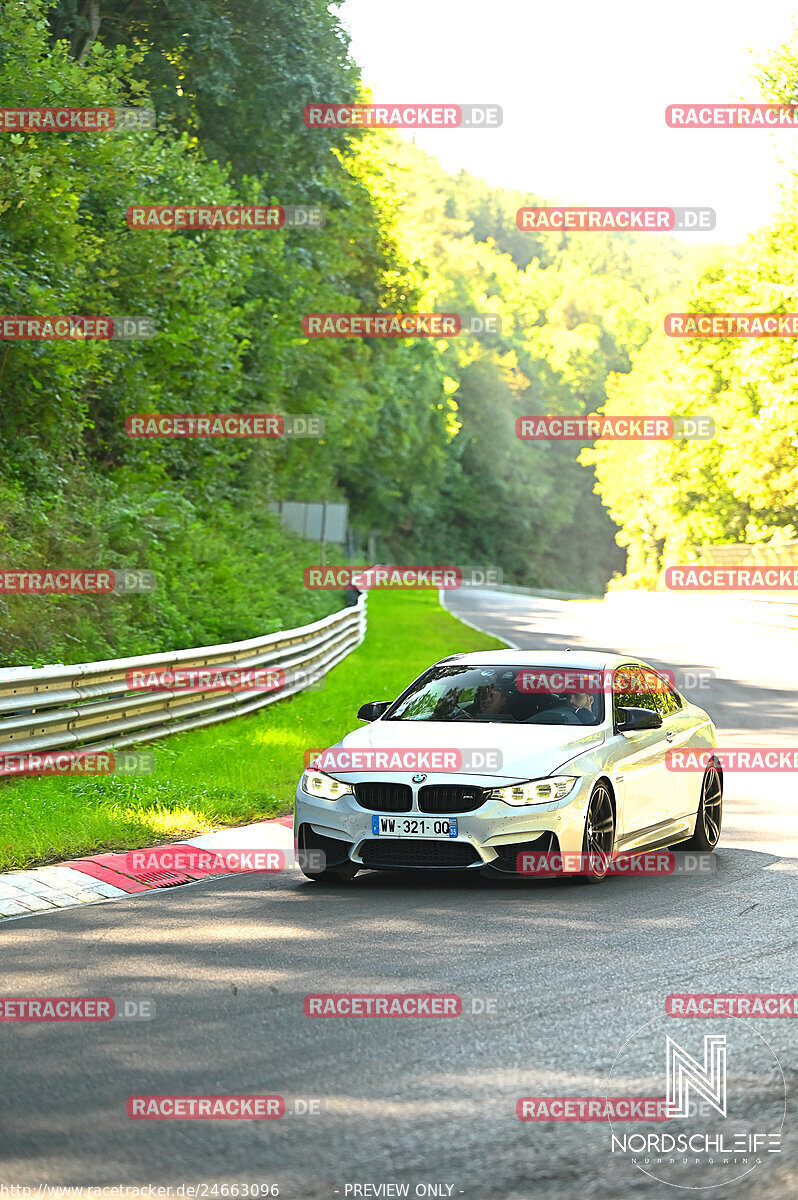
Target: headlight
point(536, 791)
point(316, 783)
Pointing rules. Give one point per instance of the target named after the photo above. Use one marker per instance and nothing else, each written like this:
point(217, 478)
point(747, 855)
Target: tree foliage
point(420, 435)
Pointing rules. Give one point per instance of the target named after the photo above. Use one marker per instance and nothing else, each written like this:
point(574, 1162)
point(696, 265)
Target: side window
point(668, 702)
point(632, 687)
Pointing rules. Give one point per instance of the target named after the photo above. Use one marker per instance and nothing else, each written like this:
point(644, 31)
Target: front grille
point(384, 797)
point(417, 852)
point(450, 798)
point(508, 852)
point(336, 850)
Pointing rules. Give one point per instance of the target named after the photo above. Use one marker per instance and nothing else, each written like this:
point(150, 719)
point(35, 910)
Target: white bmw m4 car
point(487, 756)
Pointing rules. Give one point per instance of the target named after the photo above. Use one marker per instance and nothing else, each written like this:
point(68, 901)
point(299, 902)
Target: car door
point(678, 725)
point(640, 755)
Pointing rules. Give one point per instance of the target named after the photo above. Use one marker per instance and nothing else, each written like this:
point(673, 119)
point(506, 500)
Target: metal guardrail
point(91, 705)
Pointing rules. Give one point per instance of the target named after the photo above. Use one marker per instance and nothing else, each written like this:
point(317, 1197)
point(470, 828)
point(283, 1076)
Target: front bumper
point(486, 836)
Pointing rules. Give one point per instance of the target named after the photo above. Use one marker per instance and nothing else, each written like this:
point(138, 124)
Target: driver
point(583, 704)
point(490, 699)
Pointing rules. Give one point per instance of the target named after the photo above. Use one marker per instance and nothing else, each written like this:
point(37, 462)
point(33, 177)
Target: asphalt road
point(571, 972)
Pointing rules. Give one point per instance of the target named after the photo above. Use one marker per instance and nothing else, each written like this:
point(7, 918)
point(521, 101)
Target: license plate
point(414, 826)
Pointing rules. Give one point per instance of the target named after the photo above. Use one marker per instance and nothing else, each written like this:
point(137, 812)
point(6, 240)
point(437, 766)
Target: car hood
point(527, 751)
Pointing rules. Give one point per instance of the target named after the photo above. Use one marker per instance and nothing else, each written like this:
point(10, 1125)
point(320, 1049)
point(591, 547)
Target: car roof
point(590, 660)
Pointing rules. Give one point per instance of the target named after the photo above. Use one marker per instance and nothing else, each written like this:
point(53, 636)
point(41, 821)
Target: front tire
point(598, 842)
point(710, 813)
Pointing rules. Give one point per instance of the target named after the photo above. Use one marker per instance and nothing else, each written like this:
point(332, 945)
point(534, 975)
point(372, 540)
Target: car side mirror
point(370, 712)
point(632, 719)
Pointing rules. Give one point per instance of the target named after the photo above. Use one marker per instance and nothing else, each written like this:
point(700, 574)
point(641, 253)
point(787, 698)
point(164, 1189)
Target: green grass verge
point(241, 770)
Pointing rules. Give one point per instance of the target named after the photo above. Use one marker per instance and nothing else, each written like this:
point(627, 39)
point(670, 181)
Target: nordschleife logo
point(724, 1099)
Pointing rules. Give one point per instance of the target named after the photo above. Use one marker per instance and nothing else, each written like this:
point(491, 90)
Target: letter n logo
point(684, 1073)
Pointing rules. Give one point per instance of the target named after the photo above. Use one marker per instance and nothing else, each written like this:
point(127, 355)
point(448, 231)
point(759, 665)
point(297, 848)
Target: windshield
point(516, 695)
